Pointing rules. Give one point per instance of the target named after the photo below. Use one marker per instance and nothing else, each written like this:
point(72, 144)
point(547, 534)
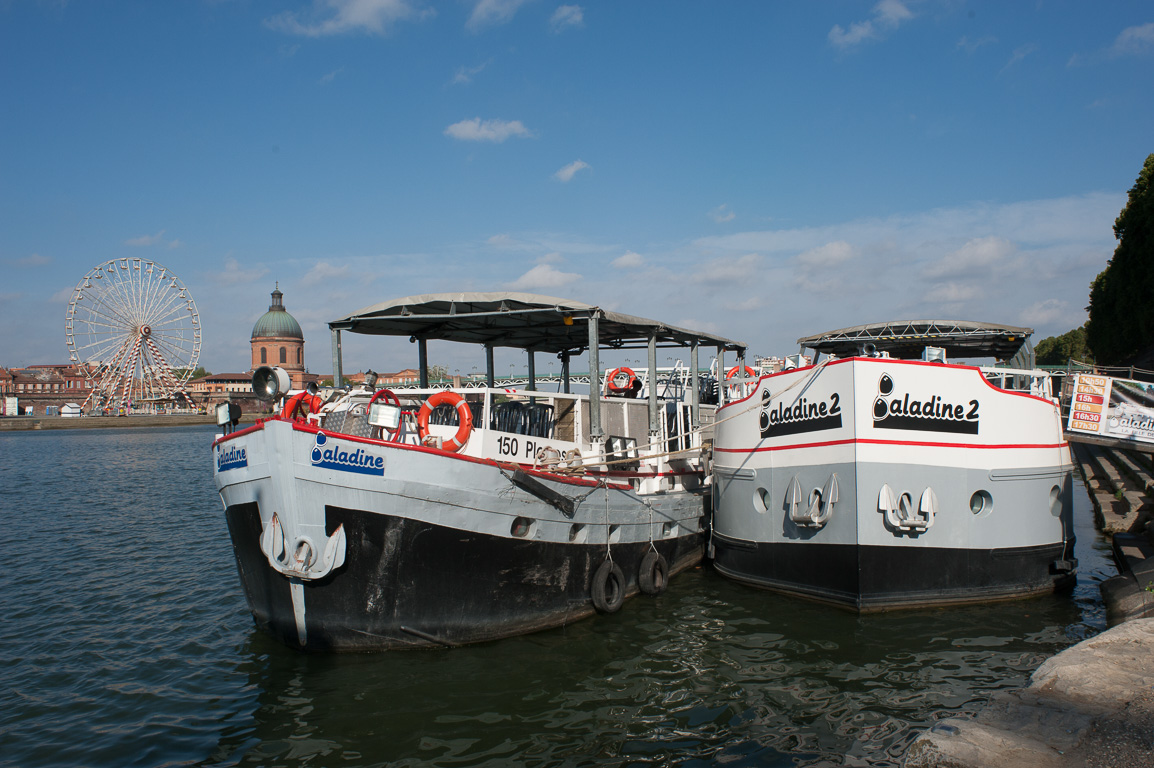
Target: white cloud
point(825, 256)
point(729, 270)
point(145, 240)
point(234, 275)
point(63, 296)
point(887, 15)
point(465, 75)
point(322, 271)
point(542, 276)
point(1049, 311)
point(551, 258)
point(34, 260)
point(488, 130)
point(1135, 41)
point(970, 46)
point(337, 17)
point(981, 257)
point(1020, 53)
point(722, 214)
point(629, 260)
point(566, 174)
point(326, 79)
point(567, 16)
point(951, 293)
point(487, 13)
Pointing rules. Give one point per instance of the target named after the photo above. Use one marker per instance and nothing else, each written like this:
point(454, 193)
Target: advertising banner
point(1118, 409)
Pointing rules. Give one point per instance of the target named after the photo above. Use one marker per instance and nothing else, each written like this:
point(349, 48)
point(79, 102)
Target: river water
point(126, 641)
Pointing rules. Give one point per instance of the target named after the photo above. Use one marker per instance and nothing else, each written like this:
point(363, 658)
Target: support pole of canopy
point(565, 370)
point(489, 381)
point(532, 386)
point(720, 374)
point(694, 387)
point(653, 426)
point(337, 374)
point(423, 361)
point(595, 433)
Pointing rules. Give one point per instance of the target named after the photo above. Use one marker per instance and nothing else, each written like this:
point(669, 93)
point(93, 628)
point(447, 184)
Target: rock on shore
point(1090, 705)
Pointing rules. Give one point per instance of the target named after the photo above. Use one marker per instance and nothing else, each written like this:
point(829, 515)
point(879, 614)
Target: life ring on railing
point(302, 402)
point(739, 390)
point(463, 413)
point(386, 394)
point(611, 380)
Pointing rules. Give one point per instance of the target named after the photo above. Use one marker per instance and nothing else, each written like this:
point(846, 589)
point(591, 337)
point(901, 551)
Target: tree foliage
point(1058, 350)
point(1122, 296)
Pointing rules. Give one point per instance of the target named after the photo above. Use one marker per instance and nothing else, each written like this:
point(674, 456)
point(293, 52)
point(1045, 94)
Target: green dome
point(277, 321)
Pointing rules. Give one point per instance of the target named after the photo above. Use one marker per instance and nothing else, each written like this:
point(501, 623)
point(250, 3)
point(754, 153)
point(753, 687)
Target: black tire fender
point(653, 576)
point(608, 587)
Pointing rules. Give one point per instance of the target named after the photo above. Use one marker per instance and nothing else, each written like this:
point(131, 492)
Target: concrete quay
point(1092, 704)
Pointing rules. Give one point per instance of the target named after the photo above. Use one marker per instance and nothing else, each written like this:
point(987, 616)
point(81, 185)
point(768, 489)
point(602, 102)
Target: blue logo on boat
point(336, 457)
point(234, 458)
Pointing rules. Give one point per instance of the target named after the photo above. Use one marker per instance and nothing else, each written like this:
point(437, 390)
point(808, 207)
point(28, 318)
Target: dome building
point(277, 340)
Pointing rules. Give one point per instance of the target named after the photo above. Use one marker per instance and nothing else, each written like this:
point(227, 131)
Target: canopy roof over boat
point(519, 320)
point(908, 338)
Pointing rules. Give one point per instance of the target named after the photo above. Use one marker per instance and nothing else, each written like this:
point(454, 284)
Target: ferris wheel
point(133, 328)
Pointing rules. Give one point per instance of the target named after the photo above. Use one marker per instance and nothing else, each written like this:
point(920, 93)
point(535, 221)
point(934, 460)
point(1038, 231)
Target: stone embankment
point(1121, 485)
point(18, 423)
point(1092, 704)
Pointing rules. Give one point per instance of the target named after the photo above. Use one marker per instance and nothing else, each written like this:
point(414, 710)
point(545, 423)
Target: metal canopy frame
point(519, 320)
point(534, 323)
point(908, 338)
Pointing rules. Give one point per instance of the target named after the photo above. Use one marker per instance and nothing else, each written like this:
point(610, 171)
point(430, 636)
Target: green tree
point(1122, 296)
point(438, 372)
point(1058, 350)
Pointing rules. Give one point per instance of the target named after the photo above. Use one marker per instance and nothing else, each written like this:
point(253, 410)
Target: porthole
point(614, 534)
point(522, 527)
point(981, 503)
point(578, 533)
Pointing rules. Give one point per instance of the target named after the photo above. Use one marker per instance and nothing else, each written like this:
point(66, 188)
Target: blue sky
point(762, 170)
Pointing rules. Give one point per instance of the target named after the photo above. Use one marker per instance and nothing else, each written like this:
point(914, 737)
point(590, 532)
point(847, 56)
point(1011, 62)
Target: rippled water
point(126, 641)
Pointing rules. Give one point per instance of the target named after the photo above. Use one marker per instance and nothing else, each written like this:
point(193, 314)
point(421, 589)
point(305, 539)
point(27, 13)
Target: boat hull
point(438, 550)
point(822, 495)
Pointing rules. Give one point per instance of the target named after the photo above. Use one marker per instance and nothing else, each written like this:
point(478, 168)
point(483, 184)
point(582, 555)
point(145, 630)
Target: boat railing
point(544, 421)
point(1035, 381)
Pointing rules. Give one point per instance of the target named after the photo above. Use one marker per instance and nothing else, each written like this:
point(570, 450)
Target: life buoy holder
point(611, 380)
point(386, 395)
point(301, 402)
point(464, 415)
point(608, 587)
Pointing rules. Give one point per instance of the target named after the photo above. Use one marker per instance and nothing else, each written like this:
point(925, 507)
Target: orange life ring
point(386, 395)
point(463, 413)
point(303, 402)
point(749, 372)
point(611, 381)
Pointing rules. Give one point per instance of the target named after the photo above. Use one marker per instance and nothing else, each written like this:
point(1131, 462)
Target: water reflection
point(126, 641)
point(710, 672)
